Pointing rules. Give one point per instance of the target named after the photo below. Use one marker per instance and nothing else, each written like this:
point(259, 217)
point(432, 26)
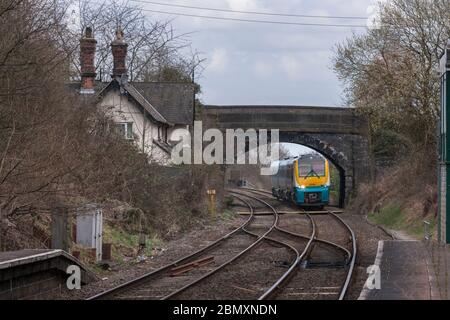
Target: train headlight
point(302, 187)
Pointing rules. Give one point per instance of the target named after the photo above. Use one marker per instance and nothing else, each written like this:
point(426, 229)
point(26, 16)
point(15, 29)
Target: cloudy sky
point(255, 63)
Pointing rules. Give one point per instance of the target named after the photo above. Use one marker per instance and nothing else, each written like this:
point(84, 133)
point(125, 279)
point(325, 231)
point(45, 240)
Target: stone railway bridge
point(337, 133)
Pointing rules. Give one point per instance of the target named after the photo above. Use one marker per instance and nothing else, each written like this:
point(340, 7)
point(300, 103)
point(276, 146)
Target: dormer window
point(125, 129)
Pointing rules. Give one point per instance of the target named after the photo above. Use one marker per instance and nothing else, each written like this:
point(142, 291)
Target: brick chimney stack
point(87, 56)
point(119, 51)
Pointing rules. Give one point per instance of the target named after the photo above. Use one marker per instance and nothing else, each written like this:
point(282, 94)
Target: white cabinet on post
point(90, 229)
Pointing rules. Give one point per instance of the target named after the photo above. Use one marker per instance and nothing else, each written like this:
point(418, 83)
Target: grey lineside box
point(90, 229)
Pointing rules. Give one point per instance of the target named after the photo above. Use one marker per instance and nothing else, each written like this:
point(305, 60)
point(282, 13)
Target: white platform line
point(366, 291)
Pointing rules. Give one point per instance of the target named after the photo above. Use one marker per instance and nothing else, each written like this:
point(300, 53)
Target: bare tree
point(31, 98)
point(55, 148)
point(151, 44)
point(390, 73)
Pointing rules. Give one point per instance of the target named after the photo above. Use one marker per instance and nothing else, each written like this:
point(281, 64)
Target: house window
point(125, 129)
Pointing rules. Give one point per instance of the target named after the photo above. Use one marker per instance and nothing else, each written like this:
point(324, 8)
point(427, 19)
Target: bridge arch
point(337, 158)
point(337, 133)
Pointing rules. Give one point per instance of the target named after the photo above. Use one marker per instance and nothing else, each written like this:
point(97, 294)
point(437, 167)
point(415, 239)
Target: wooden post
point(212, 201)
point(107, 251)
point(91, 255)
point(142, 243)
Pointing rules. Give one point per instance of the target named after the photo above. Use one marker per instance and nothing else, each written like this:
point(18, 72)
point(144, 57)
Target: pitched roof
point(166, 102)
point(145, 103)
point(174, 100)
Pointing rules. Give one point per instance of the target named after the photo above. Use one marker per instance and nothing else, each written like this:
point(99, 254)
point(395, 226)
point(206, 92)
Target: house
point(144, 112)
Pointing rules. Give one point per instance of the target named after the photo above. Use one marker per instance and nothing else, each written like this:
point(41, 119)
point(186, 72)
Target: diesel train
point(304, 180)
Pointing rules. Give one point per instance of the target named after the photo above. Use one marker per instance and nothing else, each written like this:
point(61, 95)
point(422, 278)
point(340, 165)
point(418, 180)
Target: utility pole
point(193, 101)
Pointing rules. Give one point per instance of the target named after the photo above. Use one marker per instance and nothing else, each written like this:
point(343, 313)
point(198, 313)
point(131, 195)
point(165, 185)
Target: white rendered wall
point(120, 109)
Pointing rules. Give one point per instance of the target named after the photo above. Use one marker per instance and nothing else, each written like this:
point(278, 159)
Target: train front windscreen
point(311, 166)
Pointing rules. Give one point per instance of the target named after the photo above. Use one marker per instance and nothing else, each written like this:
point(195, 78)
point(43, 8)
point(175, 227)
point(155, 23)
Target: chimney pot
point(119, 50)
point(88, 32)
point(87, 66)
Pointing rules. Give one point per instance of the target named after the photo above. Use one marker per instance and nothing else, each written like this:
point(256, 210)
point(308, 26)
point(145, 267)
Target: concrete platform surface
point(47, 257)
point(21, 254)
point(38, 274)
point(406, 273)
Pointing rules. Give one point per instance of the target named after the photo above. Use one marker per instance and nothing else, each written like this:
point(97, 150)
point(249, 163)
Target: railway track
point(200, 261)
point(301, 250)
point(165, 271)
point(186, 276)
point(350, 252)
point(262, 236)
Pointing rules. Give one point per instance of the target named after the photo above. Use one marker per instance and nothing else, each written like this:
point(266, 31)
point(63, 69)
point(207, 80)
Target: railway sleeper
point(309, 264)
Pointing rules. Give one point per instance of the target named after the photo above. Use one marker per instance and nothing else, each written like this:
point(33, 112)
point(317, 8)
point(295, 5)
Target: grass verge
point(125, 245)
point(393, 217)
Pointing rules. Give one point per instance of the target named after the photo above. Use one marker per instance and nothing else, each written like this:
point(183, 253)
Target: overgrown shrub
point(54, 148)
point(410, 185)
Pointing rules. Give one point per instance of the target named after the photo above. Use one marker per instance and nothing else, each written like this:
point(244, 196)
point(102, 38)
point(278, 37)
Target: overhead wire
point(251, 12)
point(257, 21)
point(273, 22)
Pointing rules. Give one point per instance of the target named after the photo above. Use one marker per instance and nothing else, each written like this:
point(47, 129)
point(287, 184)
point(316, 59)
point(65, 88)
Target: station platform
point(10, 258)
point(406, 273)
point(37, 274)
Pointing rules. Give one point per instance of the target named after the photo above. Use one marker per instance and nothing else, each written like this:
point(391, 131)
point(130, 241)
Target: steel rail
point(212, 272)
point(351, 256)
point(330, 243)
point(299, 257)
point(348, 278)
point(147, 276)
point(265, 192)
